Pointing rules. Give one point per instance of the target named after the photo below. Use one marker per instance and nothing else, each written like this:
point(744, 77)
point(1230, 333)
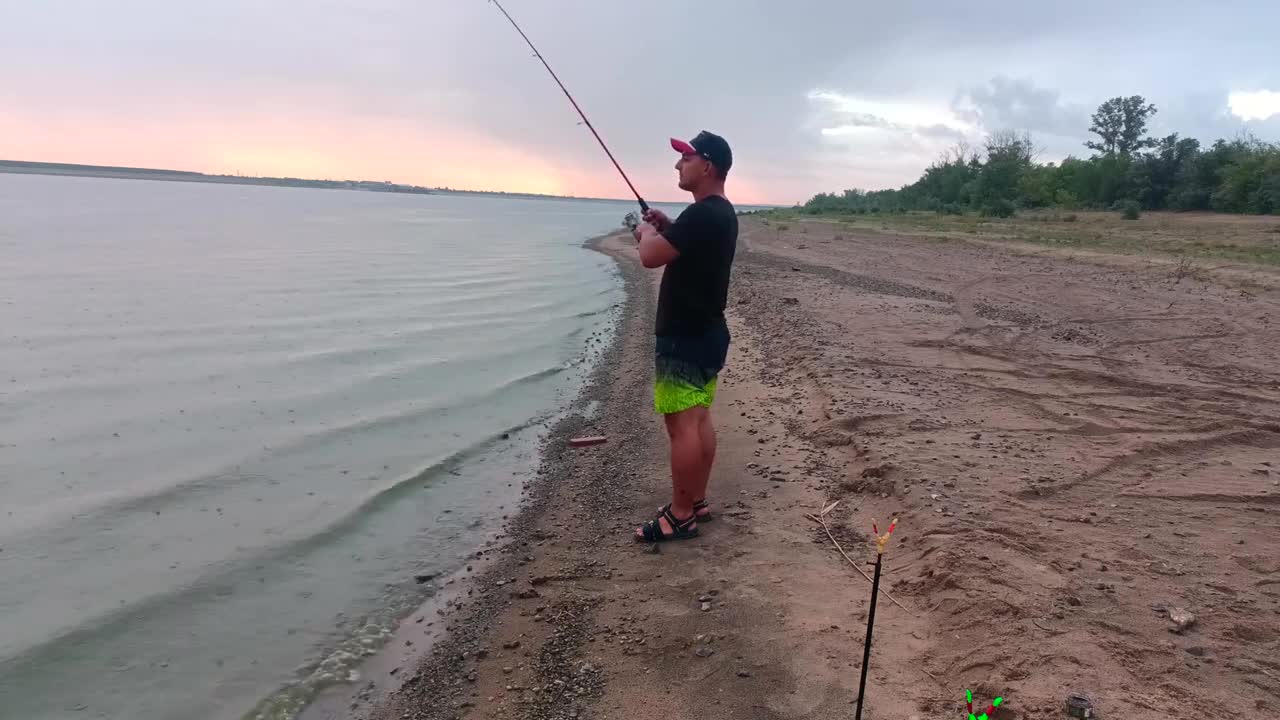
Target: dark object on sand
point(588, 441)
point(644, 206)
point(881, 541)
point(1080, 705)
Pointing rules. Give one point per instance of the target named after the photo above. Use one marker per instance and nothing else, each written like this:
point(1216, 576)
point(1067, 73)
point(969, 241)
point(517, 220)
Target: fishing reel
point(631, 221)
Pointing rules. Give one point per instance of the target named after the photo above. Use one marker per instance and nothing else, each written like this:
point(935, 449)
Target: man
point(696, 251)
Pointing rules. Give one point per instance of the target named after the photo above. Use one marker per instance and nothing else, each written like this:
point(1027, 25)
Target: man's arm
point(658, 219)
point(655, 250)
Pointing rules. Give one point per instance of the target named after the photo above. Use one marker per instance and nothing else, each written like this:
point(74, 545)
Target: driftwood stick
point(821, 520)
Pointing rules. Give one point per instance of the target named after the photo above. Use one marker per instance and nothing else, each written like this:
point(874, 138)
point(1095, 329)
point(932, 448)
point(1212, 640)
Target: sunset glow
point(447, 94)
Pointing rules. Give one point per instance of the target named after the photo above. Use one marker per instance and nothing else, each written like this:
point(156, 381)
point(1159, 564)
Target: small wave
point(210, 586)
point(177, 494)
point(388, 420)
point(591, 313)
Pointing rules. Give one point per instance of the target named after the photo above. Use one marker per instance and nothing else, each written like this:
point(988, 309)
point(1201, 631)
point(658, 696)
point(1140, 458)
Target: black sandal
point(701, 511)
point(651, 531)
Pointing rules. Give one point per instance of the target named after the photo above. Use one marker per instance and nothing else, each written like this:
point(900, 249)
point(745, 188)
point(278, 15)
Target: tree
point(1010, 155)
point(1121, 123)
point(1250, 181)
point(1130, 170)
point(946, 180)
point(1156, 174)
point(1038, 188)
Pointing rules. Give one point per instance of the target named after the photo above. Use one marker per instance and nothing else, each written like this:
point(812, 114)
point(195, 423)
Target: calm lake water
point(236, 421)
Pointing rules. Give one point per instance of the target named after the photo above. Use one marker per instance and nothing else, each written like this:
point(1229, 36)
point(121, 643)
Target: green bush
point(1130, 210)
point(950, 209)
point(999, 208)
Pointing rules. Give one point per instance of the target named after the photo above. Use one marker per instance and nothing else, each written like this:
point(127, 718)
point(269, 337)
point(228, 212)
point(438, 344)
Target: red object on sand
point(588, 441)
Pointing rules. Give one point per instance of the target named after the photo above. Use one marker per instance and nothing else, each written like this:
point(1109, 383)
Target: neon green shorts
point(686, 368)
point(673, 396)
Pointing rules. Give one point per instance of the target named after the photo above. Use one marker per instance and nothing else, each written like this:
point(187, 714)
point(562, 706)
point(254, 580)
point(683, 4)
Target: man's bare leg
point(707, 431)
point(690, 461)
point(687, 459)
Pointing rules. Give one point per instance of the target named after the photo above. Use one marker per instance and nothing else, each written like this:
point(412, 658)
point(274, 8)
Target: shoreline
point(469, 600)
point(1066, 450)
point(24, 167)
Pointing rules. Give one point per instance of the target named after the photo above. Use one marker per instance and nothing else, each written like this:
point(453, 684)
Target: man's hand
point(657, 219)
point(655, 251)
point(643, 229)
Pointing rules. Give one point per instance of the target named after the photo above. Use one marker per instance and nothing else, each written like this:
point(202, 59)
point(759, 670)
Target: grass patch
point(1249, 240)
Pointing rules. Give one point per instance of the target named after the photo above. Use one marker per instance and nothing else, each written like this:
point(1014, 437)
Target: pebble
point(706, 607)
point(704, 652)
point(1182, 620)
point(744, 673)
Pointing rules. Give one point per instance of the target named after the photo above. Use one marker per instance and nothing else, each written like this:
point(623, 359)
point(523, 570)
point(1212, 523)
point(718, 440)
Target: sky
point(813, 95)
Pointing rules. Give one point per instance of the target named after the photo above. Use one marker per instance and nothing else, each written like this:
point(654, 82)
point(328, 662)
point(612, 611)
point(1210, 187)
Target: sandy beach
point(1076, 451)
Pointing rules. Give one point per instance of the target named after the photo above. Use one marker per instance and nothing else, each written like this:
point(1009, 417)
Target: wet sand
point(1073, 449)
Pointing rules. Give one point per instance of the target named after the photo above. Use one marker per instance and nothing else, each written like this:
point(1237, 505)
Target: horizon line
point(195, 174)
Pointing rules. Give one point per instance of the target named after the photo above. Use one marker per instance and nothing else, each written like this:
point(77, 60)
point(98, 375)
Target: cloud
point(1257, 105)
point(1019, 104)
point(886, 141)
point(158, 82)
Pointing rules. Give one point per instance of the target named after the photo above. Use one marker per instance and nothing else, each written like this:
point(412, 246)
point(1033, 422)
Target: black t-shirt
point(695, 286)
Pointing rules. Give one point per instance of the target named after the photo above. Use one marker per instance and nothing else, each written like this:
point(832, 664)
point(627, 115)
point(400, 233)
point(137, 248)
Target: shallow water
point(236, 421)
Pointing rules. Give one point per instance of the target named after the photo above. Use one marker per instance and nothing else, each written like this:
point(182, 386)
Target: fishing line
point(643, 205)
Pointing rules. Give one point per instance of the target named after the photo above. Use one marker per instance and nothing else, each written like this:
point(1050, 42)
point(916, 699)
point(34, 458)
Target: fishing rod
point(644, 206)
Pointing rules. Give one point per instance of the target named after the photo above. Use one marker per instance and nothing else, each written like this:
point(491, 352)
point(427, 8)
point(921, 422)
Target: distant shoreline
point(24, 167)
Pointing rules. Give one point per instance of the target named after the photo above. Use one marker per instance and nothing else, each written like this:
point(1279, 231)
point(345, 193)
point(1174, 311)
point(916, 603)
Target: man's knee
point(686, 422)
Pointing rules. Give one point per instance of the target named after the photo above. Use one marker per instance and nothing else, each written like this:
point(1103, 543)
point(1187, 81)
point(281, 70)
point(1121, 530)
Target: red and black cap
point(709, 146)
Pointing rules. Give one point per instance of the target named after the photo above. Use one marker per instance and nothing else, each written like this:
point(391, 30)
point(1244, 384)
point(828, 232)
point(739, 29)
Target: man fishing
point(696, 251)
